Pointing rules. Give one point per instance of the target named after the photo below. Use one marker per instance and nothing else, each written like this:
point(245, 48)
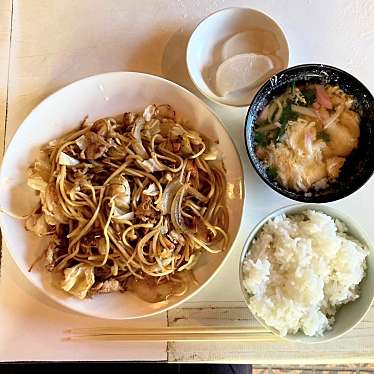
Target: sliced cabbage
point(36, 182)
point(51, 206)
point(37, 224)
point(82, 142)
point(192, 261)
point(152, 128)
point(39, 173)
point(164, 228)
point(150, 165)
point(166, 126)
point(67, 160)
point(149, 112)
point(165, 111)
point(179, 130)
point(212, 154)
point(120, 188)
point(119, 215)
point(152, 190)
point(186, 145)
point(78, 280)
point(110, 285)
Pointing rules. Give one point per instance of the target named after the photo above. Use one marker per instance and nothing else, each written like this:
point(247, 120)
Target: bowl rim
point(55, 297)
point(188, 51)
point(293, 208)
point(247, 130)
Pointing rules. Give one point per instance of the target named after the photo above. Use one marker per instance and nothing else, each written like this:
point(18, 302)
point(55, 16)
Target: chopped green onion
point(293, 88)
point(309, 96)
point(280, 132)
point(287, 115)
point(260, 138)
point(272, 172)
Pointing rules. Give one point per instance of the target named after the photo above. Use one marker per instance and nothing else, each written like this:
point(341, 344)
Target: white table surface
point(54, 42)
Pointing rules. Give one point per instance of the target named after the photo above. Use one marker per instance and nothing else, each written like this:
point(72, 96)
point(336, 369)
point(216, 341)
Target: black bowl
point(359, 165)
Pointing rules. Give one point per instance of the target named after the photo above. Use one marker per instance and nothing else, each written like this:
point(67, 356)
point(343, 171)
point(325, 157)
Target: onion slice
point(152, 190)
point(168, 195)
point(176, 210)
point(334, 117)
point(138, 145)
point(304, 110)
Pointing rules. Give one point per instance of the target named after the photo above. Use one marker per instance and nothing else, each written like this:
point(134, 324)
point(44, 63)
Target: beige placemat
point(32, 327)
point(355, 347)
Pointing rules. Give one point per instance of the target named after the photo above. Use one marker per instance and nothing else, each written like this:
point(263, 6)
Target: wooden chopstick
point(172, 338)
point(177, 330)
point(169, 334)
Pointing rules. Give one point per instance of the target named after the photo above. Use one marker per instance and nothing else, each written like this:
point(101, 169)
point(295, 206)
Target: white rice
point(299, 269)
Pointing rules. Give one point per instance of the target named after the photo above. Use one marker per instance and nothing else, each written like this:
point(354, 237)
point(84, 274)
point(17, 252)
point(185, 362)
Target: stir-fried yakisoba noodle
point(129, 204)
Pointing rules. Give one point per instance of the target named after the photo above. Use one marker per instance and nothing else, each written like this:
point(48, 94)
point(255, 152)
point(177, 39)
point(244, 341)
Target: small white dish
point(206, 50)
point(100, 96)
point(348, 315)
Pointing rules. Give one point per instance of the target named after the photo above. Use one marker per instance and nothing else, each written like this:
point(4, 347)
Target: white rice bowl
point(300, 269)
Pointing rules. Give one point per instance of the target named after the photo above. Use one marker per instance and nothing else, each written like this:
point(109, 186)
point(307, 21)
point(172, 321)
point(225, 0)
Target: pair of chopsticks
point(171, 334)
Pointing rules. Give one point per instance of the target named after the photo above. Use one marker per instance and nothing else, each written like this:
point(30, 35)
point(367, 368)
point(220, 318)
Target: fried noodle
point(129, 202)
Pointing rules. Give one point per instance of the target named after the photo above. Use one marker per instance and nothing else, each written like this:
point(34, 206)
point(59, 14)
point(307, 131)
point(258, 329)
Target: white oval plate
point(98, 96)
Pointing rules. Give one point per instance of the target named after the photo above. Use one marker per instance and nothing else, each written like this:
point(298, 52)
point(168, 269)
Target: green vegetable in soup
point(260, 138)
point(287, 115)
point(272, 172)
point(309, 96)
point(293, 87)
point(280, 132)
